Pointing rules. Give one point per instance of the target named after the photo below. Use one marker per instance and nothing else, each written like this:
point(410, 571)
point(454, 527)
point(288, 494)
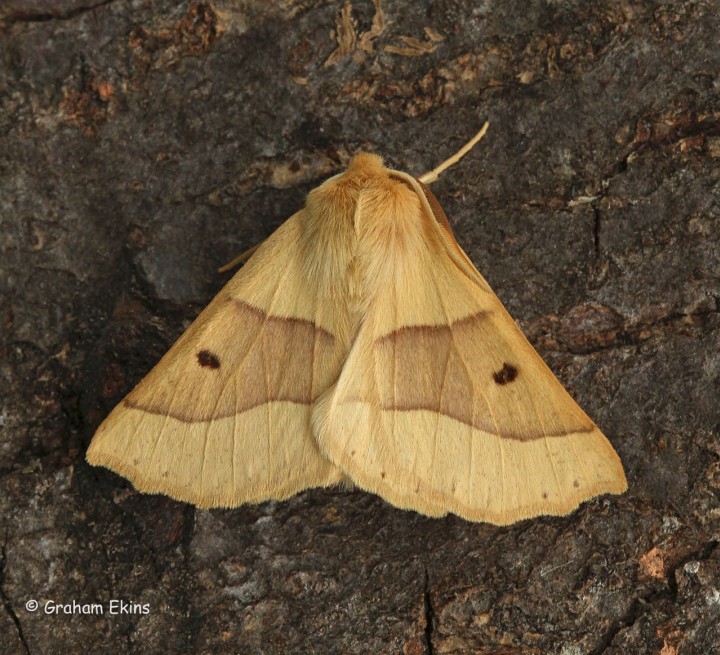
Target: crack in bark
point(6, 599)
point(429, 616)
point(679, 132)
point(632, 615)
point(637, 334)
point(698, 555)
point(21, 16)
point(637, 607)
point(596, 230)
point(700, 128)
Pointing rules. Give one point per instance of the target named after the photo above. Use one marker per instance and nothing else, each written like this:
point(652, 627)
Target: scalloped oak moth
point(360, 344)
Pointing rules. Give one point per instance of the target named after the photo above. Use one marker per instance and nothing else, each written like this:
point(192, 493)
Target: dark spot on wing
point(208, 359)
point(506, 374)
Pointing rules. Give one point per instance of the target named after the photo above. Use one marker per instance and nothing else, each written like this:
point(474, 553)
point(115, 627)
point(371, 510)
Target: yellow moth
point(359, 344)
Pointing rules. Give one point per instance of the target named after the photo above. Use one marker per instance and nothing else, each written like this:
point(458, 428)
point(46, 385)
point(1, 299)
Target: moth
point(360, 345)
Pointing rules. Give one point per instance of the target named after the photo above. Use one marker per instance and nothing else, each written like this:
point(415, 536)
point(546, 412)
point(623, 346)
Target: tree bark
point(145, 144)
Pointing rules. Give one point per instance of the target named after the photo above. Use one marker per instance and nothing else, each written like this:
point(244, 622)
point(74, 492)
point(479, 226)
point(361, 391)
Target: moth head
point(366, 163)
point(334, 201)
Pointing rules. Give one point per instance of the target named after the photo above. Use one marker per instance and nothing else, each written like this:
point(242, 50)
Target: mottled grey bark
point(144, 144)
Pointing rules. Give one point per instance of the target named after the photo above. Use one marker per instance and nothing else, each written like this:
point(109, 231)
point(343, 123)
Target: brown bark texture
point(144, 144)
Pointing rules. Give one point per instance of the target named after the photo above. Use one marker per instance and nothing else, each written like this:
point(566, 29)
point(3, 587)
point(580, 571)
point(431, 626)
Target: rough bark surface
point(143, 144)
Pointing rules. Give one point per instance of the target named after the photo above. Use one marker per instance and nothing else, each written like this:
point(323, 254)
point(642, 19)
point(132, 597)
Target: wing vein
point(445, 372)
point(234, 440)
point(546, 434)
point(475, 390)
point(394, 373)
point(266, 377)
point(161, 432)
point(260, 334)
